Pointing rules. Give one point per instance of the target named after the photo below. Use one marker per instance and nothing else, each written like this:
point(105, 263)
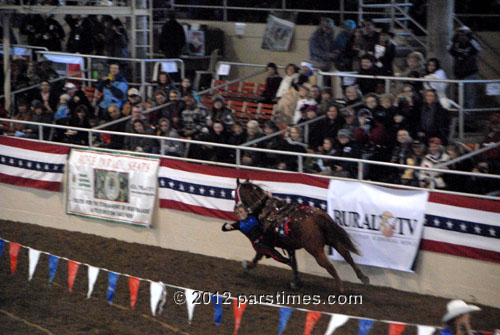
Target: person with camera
point(114, 88)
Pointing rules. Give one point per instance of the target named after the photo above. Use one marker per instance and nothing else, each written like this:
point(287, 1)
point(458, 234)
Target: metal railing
point(239, 149)
point(144, 74)
point(460, 83)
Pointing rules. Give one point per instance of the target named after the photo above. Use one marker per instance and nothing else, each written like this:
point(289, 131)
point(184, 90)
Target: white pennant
point(158, 294)
point(93, 272)
point(336, 321)
point(34, 256)
point(425, 330)
point(190, 298)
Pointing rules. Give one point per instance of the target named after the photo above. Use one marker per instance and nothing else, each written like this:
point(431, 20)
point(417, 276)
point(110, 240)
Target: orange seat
point(233, 90)
point(266, 111)
point(252, 110)
point(90, 92)
point(260, 89)
point(238, 109)
point(220, 90)
point(248, 90)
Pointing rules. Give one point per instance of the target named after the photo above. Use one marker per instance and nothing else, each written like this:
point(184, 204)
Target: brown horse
point(307, 227)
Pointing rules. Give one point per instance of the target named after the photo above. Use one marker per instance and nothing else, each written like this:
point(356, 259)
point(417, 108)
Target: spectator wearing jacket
point(464, 50)
point(437, 155)
point(322, 48)
point(113, 88)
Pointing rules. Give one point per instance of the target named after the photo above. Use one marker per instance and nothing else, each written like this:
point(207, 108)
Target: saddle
point(276, 212)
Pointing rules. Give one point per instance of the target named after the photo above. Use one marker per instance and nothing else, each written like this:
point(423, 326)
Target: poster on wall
point(113, 187)
point(385, 224)
point(278, 34)
point(196, 42)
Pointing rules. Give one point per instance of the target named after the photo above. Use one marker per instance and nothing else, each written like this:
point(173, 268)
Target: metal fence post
point(461, 110)
point(360, 171)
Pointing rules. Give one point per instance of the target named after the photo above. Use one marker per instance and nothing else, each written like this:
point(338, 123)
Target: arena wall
point(436, 274)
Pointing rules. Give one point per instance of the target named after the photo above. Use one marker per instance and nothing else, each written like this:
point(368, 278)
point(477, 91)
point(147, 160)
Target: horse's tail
point(336, 234)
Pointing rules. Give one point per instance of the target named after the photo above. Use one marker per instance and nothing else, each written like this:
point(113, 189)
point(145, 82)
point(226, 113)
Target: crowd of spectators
point(408, 125)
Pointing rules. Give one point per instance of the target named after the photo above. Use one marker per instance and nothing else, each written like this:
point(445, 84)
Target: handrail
point(360, 162)
point(210, 89)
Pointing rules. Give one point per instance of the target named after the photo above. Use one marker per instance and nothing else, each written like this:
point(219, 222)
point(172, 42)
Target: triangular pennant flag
point(238, 308)
point(311, 319)
point(133, 286)
point(34, 256)
point(93, 272)
point(13, 252)
point(396, 328)
point(72, 271)
point(425, 330)
point(285, 313)
point(337, 320)
point(53, 262)
point(365, 326)
point(112, 279)
point(2, 242)
point(158, 294)
point(190, 298)
point(217, 302)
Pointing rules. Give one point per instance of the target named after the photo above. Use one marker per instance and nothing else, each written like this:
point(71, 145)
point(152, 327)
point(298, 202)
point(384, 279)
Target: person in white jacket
point(436, 156)
point(433, 70)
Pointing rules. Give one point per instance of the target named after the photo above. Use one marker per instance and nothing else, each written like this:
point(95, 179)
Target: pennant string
point(118, 274)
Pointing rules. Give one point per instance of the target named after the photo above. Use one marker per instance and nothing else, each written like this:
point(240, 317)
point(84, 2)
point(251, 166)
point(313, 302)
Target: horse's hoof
point(248, 265)
point(295, 285)
point(365, 280)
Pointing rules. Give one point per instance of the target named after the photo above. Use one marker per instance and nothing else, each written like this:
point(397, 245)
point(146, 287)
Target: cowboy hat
point(456, 308)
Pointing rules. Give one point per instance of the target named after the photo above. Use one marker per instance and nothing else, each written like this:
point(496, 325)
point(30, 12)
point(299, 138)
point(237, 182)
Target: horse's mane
point(251, 194)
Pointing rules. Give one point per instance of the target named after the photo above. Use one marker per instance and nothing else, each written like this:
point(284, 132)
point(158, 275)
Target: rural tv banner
point(385, 224)
point(113, 187)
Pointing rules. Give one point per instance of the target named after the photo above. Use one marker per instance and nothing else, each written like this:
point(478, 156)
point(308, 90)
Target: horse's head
point(248, 194)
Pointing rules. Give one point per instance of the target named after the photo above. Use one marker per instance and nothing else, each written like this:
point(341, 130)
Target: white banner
point(385, 224)
point(112, 187)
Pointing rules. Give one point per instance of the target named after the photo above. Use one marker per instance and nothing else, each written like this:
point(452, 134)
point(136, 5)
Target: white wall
point(436, 274)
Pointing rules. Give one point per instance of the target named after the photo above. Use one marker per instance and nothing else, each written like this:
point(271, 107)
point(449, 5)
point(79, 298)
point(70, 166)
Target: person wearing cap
point(322, 48)
point(437, 155)
point(133, 98)
point(219, 112)
point(77, 98)
point(347, 148)
point(385, 52)
point(272, 84)
point(457, 318)
point(465, 50)
point(343, 62)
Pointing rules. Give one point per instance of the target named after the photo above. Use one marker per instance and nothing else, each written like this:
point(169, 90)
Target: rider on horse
point(262, 240)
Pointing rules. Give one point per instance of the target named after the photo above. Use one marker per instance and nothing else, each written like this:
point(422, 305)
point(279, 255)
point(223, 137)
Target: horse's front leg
point(249, 265)
point(295, 283)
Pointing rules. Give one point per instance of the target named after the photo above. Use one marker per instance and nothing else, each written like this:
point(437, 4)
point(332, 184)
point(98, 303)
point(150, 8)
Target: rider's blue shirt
point(248, 224)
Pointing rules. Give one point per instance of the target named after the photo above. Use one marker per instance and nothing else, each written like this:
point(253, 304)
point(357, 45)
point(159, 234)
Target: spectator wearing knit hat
point(322, 48)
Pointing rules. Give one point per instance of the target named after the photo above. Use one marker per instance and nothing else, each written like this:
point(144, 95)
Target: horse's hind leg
point(348, 258)
point(323, 261)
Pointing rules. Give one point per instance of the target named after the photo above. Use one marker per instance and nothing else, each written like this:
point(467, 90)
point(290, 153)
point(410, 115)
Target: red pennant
point(311, 319)
point(239, 308)
point(13, 252)
point(133, 286)
point(396, 328)
point(72, 271)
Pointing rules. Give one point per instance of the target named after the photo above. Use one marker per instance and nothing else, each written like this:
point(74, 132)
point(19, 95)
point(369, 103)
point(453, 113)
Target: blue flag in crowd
point(112, 279)
point(217, 302)
point(365, 326)
point(1, 246)
point(285, 313)
point(53, 262)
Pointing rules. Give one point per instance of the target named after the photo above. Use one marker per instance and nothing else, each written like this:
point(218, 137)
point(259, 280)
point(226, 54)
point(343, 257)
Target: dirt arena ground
point(36, 308)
